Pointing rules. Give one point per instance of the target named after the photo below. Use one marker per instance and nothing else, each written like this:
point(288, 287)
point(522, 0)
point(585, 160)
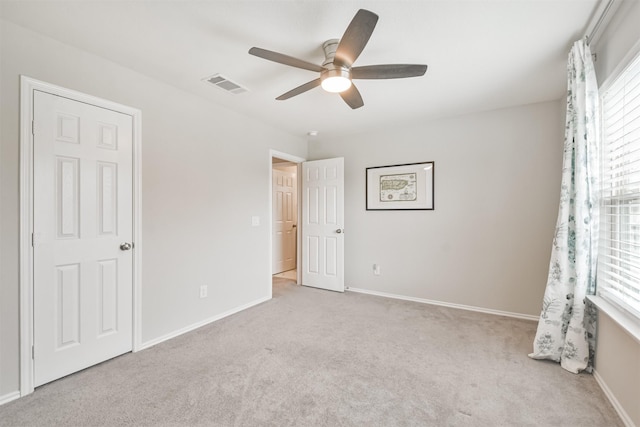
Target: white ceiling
point(482, 54)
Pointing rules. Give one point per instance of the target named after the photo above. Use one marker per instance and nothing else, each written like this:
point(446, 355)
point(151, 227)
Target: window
point(619, 253)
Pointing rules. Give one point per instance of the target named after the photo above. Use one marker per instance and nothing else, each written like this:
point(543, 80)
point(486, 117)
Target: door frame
point(27, 88)
point(298, 160)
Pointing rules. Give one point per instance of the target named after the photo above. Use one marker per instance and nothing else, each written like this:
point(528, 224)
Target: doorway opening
point(319, 262)
point(284, 219)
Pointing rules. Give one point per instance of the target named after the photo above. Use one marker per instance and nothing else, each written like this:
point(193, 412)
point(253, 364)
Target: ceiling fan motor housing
point(330, 69)
point(335, 71)
point(329, 48)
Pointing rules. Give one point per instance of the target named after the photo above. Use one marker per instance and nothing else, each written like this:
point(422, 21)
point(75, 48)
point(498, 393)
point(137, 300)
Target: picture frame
point(403, 187)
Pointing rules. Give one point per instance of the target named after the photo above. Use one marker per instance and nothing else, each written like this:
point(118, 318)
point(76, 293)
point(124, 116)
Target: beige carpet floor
point(316, 358)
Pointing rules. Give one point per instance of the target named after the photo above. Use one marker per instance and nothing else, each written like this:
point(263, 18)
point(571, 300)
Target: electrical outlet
point(203, 291)
point(255, 221)
point(376, 269)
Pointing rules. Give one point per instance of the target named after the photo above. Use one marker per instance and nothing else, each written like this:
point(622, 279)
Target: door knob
point(126, 246)
point(339, 230)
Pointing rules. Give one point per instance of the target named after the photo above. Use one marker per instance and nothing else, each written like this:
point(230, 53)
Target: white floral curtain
point(566, 329)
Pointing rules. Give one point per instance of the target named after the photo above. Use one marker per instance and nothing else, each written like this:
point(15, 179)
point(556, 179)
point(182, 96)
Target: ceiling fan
point(337, 71)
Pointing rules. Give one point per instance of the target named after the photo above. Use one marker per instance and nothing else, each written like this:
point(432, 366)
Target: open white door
point(82, 239)
point(323, 224)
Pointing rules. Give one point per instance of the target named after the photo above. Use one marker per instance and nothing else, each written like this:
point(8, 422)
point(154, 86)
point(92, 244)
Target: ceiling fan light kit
point(336, 80)
point(337, 72)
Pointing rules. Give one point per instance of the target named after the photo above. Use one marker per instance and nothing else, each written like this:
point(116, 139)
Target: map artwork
point(398, 188)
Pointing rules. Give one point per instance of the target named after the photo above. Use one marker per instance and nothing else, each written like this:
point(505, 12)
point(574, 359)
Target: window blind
point(618, 276)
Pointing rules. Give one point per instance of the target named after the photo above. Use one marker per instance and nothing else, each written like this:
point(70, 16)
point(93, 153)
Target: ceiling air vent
point(225, 84)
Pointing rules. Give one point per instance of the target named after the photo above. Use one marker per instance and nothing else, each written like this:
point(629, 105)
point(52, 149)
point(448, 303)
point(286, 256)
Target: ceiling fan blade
point(300, 89)
point(388, 71)
point(355, 38)
point(284, 59)
point(352, 97)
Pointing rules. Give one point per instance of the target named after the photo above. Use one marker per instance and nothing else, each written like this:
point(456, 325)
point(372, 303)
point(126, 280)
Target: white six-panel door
point(82, 215)
point(285, 209)
point(323, 224)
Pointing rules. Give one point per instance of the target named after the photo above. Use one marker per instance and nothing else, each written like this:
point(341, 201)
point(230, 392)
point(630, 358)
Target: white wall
point(617, 358)
point(197, 208)
point(488, 241)
point(617, 363)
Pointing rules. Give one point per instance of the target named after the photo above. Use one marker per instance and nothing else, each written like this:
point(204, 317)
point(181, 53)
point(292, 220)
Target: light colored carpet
point(317, 358)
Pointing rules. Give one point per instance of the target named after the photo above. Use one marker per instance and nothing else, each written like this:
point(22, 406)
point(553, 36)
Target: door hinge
point(33, 352)
point(33, 127)
point(33, 239)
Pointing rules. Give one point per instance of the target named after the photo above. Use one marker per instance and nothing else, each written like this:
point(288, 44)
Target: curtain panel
point(566, 329)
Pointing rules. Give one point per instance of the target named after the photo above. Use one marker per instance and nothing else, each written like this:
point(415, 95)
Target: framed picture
point(400, 187)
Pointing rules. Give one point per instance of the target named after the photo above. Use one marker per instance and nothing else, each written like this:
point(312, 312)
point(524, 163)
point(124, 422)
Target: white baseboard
point(626, 419)
point(447, 304)
point(9, 397)
point(197, 325)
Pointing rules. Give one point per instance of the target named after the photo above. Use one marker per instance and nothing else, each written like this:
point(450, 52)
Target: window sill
point(627, 322)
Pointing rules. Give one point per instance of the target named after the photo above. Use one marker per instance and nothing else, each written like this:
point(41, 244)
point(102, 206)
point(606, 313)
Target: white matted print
point(400, 187)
